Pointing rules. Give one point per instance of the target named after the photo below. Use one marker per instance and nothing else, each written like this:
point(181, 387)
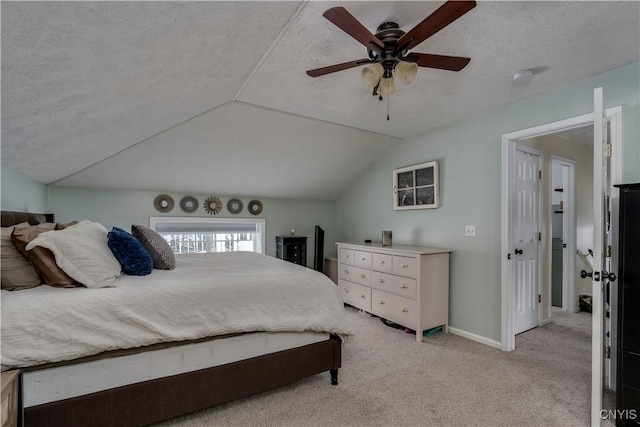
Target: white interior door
point(526, 226)
point(601, 250)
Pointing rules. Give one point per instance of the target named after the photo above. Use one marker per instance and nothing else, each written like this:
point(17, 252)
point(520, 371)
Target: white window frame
point(259, 243)
point(415, 187)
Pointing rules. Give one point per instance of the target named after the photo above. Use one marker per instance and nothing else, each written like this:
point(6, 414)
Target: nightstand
point(9, 380)
point(292, 249)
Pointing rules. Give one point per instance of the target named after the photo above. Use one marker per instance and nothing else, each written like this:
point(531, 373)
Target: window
point(201, 235)
point(416, 187)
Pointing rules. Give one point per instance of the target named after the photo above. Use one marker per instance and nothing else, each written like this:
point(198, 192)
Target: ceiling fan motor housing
point(388, 33)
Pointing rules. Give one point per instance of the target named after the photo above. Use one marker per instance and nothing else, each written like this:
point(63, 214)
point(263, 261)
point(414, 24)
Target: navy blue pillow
point(130, 253)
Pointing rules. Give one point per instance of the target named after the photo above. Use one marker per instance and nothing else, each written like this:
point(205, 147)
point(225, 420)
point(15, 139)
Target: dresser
point(628, 373)
point(408, 285)
point(292, 249)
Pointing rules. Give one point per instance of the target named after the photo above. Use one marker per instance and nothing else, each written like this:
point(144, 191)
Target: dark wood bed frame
point(164, 398)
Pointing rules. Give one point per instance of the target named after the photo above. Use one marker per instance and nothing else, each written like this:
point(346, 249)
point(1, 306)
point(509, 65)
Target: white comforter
point(205, 295)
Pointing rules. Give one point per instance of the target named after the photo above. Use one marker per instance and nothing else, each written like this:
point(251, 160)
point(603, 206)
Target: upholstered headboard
point(10, 218)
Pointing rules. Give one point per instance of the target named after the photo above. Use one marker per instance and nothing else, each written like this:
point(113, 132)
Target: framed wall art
point(416, 187)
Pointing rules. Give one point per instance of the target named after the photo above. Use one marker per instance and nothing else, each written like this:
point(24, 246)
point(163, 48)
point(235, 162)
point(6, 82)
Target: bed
point(188, 360)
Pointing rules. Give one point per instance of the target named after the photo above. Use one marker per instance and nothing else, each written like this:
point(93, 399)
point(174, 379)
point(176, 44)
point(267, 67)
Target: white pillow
point(82, 252)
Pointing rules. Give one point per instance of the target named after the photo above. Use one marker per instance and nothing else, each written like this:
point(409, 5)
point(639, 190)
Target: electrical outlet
point(470, 230)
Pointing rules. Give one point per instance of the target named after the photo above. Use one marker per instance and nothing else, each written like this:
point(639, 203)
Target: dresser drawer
point(402, 311)
point(405, 266)
point(363, 259)
point(382, 262)
point(402, 286)
point(355, 274)
point(355, 294)
point(347, 256)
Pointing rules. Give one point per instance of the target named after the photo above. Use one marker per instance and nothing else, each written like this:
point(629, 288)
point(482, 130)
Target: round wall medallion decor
point(234, 206)
point(163, 203)
point(189, 204)
point(213, 205)
point(255, 207)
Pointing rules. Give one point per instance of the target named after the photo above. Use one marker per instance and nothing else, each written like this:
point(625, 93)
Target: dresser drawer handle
point(346, 290)
point(403, 286)
point(404, 310)
point(380, 262)
point(346, 256)
point(405, 265)
point(380, 280)
point(362, 276)
point(361, 295)
point(346, 272)
point(363, 259)
point(381, 302)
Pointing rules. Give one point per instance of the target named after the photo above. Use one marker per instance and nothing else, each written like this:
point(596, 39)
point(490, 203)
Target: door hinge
point(539, 298)
point(539, 237)
point(608, 251)
point(540, 174)
point(607, 150)
point(607, 352)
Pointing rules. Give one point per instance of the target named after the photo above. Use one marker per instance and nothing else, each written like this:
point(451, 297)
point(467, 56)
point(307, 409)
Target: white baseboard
point(476, 338)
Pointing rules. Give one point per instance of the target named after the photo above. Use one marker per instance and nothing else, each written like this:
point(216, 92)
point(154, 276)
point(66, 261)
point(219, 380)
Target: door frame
point(569, 230)
point(509, 140)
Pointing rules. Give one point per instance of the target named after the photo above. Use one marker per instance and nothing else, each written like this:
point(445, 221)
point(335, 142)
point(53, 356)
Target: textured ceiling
point(105, 94)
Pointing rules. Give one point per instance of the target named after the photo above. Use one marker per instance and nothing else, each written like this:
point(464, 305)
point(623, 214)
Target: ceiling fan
point(389, 48)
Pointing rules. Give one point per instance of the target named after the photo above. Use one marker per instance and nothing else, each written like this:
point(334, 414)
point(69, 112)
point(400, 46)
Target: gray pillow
point(161, 252)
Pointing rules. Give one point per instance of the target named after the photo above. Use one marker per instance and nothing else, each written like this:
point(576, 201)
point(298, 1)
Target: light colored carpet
point(389, 379)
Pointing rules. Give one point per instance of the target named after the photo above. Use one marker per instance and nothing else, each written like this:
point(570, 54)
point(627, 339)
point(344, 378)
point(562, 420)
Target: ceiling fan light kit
point(372, 75)
point(406, 71)
point(388, 50)
point(387, 86)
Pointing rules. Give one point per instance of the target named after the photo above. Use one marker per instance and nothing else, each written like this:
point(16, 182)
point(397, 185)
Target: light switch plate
point(470, 230)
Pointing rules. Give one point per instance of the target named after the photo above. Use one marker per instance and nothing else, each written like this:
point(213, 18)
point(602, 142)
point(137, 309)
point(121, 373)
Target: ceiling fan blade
point(350, 25)
point(443, 16)
point(338, 67)
point(442, 62)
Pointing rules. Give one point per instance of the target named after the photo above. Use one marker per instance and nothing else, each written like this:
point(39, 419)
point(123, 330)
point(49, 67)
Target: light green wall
point(469, 153)
point(123, 208)
point(21, 193)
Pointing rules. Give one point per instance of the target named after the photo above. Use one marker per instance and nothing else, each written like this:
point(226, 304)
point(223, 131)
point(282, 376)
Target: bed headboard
point(10, 218)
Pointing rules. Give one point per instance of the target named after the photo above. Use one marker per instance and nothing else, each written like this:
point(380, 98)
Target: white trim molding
point(474, 337)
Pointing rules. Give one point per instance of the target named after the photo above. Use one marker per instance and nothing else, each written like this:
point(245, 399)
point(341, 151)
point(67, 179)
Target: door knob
point(518, 251)
point(596, 275)
point(611, 276)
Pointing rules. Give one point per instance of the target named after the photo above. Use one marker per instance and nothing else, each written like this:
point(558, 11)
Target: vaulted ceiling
point(212, 97)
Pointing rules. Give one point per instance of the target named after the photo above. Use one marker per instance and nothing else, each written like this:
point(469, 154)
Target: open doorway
point(548, 138)
point(609, 158)
point(557, 140)
point(567, 217)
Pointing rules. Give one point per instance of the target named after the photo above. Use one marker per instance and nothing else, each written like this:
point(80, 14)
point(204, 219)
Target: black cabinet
point(628, 376)
point(292, 249)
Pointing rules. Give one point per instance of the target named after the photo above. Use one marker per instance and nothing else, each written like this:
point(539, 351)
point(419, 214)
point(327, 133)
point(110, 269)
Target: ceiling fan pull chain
point(388, 106)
